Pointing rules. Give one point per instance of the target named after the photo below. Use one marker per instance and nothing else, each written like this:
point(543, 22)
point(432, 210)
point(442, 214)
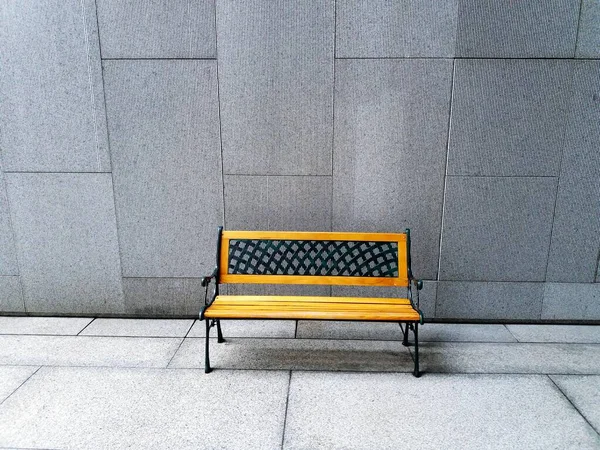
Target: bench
point(329, 258)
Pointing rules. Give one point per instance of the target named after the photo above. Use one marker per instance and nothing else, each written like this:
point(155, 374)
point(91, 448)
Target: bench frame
point(217, 276)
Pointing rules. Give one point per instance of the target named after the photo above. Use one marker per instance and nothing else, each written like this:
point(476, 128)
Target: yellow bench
point(330, 258)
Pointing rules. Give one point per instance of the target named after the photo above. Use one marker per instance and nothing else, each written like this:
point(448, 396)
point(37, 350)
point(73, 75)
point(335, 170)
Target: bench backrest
point(286, 257)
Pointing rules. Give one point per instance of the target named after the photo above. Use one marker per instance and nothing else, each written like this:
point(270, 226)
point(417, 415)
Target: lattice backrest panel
point(313, 258)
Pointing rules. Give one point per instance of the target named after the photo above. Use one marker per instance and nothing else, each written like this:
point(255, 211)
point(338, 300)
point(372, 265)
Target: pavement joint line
point(89, 323)
point(181, 343)
point(287, 402)
point(19, 386)
point(571, 403)
point(510, 332)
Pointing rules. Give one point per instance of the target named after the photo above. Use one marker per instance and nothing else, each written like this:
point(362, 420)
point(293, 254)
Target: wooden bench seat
point(327, 258)
point(315, 308)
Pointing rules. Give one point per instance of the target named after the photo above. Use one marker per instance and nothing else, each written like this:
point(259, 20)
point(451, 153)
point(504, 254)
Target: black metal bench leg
point(207, 368)
point(416, 330)
point(405, 338)
point(219, 333)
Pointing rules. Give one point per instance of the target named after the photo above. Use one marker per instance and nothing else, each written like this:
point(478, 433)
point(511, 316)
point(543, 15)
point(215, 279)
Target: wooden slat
point(312, 279)
point(285, 307)
point(314, 236)
point(233, 299)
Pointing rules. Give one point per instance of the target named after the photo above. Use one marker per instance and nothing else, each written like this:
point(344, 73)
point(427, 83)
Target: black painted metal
point(416, 373)
point(319, 258)
point(207, 368)
point(405, 333)
point(219, 332)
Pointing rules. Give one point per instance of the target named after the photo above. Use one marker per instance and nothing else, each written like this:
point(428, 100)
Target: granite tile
point(276, 119)
point(138, 327)
point(489, 300)
point(517, 29)
point(454, 357)
point(52, 113)
point(87, 351)
point(43, 325)
point(508, 117)
point(487, 238)
point(11, 296)
point(66, 237)
point(375, 29)
point(391, 127)
point(143, 408)
point(151, 297)
point(584, 392)
point(580, 334)
point(576, 230)
point(588, 35)
point(571, 301)
point(12, 377)
point(296, 354)
point(159, 29)
point(8, 254)
point(298, 203)
point(249, 329)
point(168, 202)
point(352, 410)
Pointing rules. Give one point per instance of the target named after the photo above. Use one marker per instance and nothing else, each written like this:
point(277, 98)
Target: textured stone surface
point(584, 392)
point(248, 328)
point(576, 230)
point(380, 28)
point(508, 117)
point(300, 203)
point(450, 332)
point(160, 29)
point(87, 351)
point(43, 325)
point(496, 229)
point(67, 244)
point(517, 29)
point(296, 354)
point(52, 110)
point(426, 295)
point(11, 378)
point(277, 117)
point(490, 300)
point(164, 133)
point(457, 357)
point(330, 410)
point(588, 35)
point(163, 296)
point(11, 296)
point(581, 334)
point(138, 328)
point(108, 408)
point(8, 256)
point(326, 329)
point(571, 301)
point(391, 127)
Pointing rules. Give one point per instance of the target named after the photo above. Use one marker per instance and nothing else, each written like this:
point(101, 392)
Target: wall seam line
point(219, 113)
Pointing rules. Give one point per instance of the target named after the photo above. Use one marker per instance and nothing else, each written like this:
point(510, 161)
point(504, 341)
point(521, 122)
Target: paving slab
point(319, 329)
point(143, 408)
point(451, 332)
point(584, 392)
point(11, 377)
point(389, 411)
point(43, 325)
point(296, 354)
point(583, 334)
point(138, 327)
point(87, 351)
point(510, 358)
point(249, 328)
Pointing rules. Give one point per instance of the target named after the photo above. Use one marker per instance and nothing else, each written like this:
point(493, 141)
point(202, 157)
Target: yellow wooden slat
point(311, 279)
point(314, 315)
point(293, 299)
point(311, 307)
point(314, 236)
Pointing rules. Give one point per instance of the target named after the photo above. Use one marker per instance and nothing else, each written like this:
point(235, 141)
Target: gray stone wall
point(129, 130)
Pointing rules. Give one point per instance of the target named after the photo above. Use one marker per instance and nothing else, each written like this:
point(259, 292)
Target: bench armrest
point(207, 279)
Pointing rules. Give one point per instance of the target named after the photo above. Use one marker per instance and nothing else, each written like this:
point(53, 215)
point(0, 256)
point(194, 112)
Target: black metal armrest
point(207, 279)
